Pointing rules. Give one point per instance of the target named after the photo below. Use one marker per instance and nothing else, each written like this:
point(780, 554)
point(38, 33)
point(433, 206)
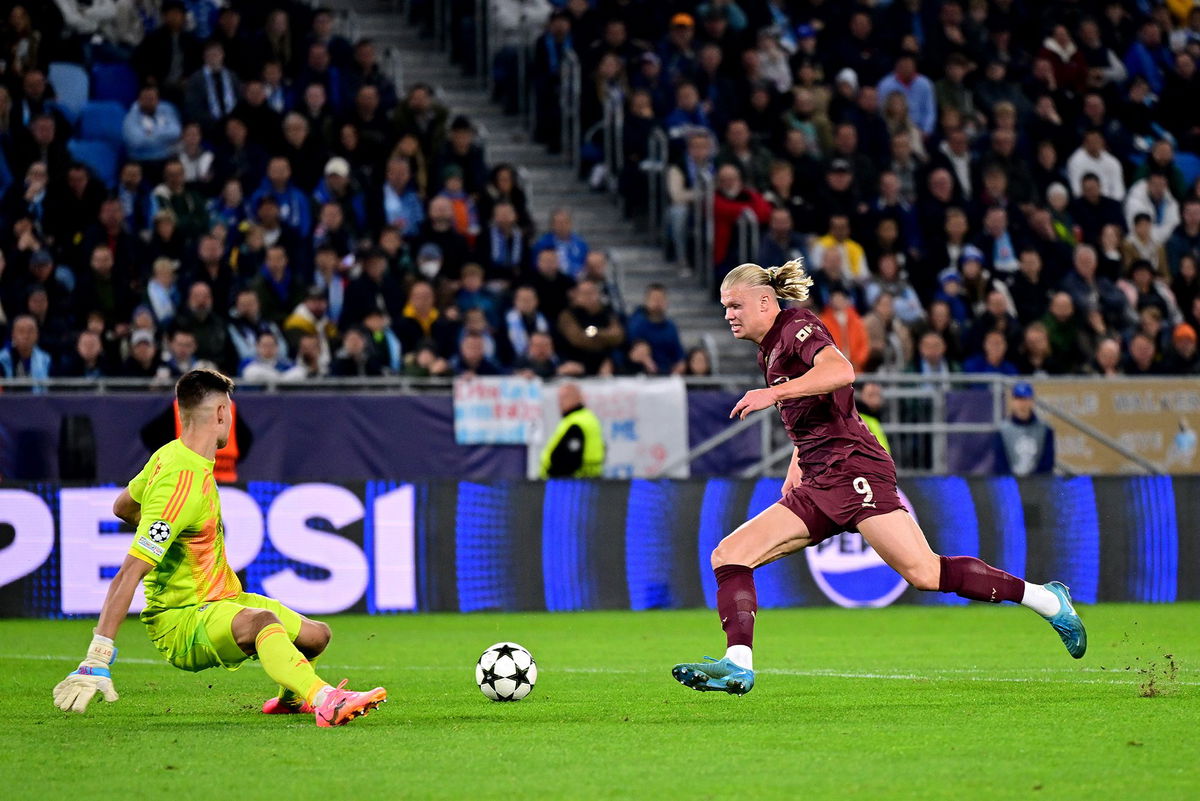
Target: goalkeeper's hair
point(789, 280)
point(194, 387)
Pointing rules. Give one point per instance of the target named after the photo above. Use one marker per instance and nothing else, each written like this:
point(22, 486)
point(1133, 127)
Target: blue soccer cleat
point(714, 675)
point(1067, 622)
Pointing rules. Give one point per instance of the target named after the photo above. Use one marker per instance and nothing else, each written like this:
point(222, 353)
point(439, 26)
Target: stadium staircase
point(551, 183)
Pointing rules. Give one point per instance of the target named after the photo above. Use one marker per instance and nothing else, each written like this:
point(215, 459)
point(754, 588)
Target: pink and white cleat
point(342, 706)
point(277, 706)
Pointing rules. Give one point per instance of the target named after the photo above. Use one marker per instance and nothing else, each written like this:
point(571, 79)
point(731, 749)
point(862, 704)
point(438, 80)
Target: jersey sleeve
point(806, 336)
point(137, 484)
point(163, 503)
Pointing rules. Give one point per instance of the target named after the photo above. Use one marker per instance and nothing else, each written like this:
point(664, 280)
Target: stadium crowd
point(273, 205)
point(987, 185)
point(993, 186)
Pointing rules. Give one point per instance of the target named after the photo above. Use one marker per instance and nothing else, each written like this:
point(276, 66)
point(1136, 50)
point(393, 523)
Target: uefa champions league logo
point(851, 574)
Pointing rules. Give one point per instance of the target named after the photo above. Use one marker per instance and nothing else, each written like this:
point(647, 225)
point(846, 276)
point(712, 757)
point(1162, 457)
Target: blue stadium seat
point(71, 84)
point(1189, 165)
point(101, 120)
point(100, 156)
point(114, 82)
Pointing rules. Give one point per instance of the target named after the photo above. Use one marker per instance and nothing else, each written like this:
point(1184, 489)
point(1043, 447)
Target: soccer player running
point(196, 613)
point(839, 479)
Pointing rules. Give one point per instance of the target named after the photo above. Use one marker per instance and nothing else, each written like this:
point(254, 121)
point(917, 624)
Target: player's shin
point(286, 665)
point(737, 603)
point(976, 580)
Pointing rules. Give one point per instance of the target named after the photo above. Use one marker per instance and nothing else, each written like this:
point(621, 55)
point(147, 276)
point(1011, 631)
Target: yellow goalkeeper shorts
point(201, 637)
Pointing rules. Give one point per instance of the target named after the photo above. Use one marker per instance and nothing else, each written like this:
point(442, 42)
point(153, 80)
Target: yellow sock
point(285, 664)
point(289, 697)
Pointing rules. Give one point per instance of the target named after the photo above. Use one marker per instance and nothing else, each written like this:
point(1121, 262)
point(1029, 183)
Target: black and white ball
point(505, 672)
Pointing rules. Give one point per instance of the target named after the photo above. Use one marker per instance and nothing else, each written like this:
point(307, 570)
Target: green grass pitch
point(905, 702)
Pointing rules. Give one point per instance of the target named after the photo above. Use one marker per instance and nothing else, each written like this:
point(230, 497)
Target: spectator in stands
point(752, 159)
point(472, 360)
point(151, 131)
point(198, 316)
point(916, 89)
point(180, 356)
point(309, 362)
point(211, 92)
point(268, 366)
point(1092, 210)
point(170, 52)
point(143, 361)
point(1024, 445)
point(295, 209)
point(524, 320)
point(462, 151)
point(854, 260)
point(423, 117)
point(1107, 362)
point(420, 321)
point(688, 114)
point(1088, 290)
point(572, 250)
point(398, 203)
point(1152, 196)
point(503, 187)
point(1036, 356)
point(697, 362)
point(1147, 57)
point(651, 325)
point(1185, 240)
point(186, 205)
point(847, 328)
point(162, 293)
point(682, 181)
point(590, 332)
point(539, 359)
point(993, 358)
point(22, 358)
point(246, 323)
point(1092, 158)
point(439, 229)
point(779, 243)
point(1143, 356)
point(890, 346)
point(466, 216)
point(279, 288)
point(731, 198)
point(1183, 357)
point(355, 359)
point(1139, 245)
point(1063, 329)
point(311, 317)
point(472, 294)
point(383, 342)
point(503, 248)
point(375, 288)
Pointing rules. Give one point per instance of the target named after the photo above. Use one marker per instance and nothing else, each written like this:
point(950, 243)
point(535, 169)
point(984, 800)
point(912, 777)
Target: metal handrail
point(655, 167)
point(747, 234)
point(570, 77)
point(1062, 414)
point(702, 234)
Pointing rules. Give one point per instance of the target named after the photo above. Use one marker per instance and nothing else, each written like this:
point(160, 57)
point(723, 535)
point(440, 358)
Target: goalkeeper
point(196, 613)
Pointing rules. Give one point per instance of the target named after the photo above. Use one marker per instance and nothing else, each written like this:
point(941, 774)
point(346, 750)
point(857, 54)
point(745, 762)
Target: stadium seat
point(1189, 165)
point(71, 84)
point(101, 120)
point(100, 156)
point(117, 82)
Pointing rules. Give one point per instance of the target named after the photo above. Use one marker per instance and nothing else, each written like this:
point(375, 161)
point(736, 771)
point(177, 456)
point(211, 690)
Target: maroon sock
point(975, 579)
point(737, 603)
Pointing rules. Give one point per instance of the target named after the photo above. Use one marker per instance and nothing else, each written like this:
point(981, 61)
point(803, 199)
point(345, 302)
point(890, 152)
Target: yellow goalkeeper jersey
point(181, 533)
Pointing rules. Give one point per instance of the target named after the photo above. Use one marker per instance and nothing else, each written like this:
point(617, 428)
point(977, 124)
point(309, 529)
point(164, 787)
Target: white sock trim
point(1041, 600)
point(740, 655)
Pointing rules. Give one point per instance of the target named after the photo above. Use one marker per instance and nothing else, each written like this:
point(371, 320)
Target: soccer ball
point(505, 672)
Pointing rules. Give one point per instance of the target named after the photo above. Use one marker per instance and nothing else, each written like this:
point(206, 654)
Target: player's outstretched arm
point(127, 509)
point(830, 372)
point(75, 692)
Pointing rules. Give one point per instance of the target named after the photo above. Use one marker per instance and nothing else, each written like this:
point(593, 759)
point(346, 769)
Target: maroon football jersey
point(828, 433)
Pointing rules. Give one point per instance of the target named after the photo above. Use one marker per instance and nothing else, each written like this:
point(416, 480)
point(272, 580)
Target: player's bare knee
point(720, 555)
point(261, 618)
point(926, 575)
point(321, 635)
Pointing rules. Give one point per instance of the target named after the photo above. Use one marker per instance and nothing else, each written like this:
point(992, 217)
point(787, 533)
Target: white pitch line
point(947, 674)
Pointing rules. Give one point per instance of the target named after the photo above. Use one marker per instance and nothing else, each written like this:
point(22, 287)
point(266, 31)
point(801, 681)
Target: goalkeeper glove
point(75, 691)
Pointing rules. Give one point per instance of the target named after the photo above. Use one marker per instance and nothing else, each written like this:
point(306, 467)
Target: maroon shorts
point(837, 502)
